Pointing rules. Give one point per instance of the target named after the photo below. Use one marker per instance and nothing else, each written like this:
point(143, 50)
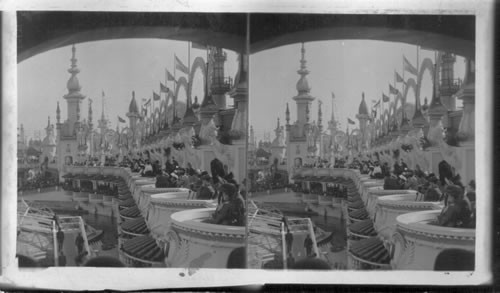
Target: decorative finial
point(303, 84)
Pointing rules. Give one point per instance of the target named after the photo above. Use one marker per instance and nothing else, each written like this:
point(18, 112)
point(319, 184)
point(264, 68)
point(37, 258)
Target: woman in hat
point(456, 212)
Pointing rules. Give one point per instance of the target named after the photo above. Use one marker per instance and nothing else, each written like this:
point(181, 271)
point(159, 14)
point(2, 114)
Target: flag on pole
point(156, 96)
point(385, 98)
point(398, 77)
point(170, 77)
point(376, 104)
point(409, 67)
point(121, 119)
point(147, 103)
point(198, 46)
point(103, 93)
point(393, 90)
point(163, 88)
point(350, 121)
point(333, 95)
point(180, 66)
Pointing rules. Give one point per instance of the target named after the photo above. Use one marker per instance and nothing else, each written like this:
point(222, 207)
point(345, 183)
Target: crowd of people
point(220, 186)
point(459, 200)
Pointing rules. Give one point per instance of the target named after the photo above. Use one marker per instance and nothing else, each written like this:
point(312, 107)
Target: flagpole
point(418, 65)
point(175, 98)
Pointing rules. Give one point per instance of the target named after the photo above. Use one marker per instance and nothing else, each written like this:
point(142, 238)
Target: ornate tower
point(220, 85)
point(332, 124)
point(448, 86)
point(73, 97)
point(133, 116)
point(303, 99)
point(363, 116)
point(436, 111)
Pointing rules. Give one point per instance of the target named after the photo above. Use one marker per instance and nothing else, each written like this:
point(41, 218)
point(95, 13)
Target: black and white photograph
point(364, 156)
point(153, 145)
point(131, 140)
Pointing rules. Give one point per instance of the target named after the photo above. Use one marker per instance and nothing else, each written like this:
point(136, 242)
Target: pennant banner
point(156, 96)
point(399, 78)
point(376, 104)
point(170, 77)
point(350, 121)
point(385, 98)
point(163, 88)
point(149, 101)
point(121, 119)
point(393, 90)
point(409, 67)
point(180, 66)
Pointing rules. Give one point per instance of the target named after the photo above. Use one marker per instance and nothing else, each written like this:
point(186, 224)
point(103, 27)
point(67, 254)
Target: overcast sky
point(346, 68)
point(116, 67)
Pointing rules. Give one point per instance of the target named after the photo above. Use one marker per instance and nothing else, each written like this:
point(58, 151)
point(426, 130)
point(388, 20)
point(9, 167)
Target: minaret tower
point(133, 114)
point(103, 122)
point(73, 97)
point(448, 86)
point(332, 124)
point(219, 85)
point(363, 118)
point(303, 98)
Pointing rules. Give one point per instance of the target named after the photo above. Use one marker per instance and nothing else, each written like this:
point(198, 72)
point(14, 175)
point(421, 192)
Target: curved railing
point(194, 244)
point(389, 207)
point(418, 243)
point(163, 205)
point(374, 192)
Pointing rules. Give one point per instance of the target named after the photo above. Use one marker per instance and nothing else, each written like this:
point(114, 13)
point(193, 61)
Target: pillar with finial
point(239, 93)
point(436, 111)
point(466, 129)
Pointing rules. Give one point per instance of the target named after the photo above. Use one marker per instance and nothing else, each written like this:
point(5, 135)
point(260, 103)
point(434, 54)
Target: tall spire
point(102, 113)
point(287, 115)
point(90, 113)
point(320, 115)
point(58, 113)
point(333, 108)
point(73, 84)
point(303, 84)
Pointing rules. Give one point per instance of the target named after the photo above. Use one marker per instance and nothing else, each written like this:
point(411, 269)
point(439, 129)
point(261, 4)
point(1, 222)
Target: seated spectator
point(148, 170)
point(391, 182)
point(432, 191)
point(164, 181)
point(377, 173)
point(456, 212)
point(206, 190)
point(231, 209)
